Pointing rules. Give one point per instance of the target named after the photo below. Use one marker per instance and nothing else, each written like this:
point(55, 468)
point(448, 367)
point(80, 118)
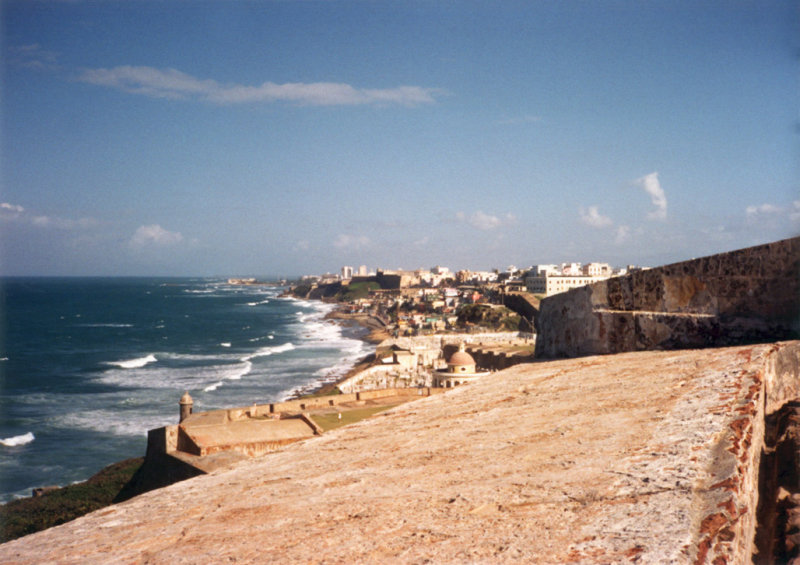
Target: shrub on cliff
point(488, 316)
point(28, 515)
point(358, 290)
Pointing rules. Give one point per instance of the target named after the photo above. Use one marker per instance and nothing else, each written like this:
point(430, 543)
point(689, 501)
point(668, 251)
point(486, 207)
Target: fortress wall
point(650, 457)
point(487, 359)
point(250, 449)
point(745, 296)
point(438, 341)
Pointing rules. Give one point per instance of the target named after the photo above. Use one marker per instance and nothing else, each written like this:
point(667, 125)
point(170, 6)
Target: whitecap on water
point(134, 363)
point(18, 440)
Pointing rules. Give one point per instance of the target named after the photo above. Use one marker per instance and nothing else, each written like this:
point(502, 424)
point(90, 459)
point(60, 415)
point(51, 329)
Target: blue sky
point(281, 138)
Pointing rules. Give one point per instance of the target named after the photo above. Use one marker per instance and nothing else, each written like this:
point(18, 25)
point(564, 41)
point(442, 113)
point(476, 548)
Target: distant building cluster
point(425, 301)
point(538, 279)
point(553, 279)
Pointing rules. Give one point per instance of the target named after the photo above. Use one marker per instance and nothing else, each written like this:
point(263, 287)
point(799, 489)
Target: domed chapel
point(461, 369)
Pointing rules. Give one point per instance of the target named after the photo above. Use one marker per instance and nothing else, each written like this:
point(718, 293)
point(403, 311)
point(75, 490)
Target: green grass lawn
point(331, 421)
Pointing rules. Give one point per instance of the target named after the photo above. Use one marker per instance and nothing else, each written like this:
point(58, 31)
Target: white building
point(347, 273)
point(597, 269)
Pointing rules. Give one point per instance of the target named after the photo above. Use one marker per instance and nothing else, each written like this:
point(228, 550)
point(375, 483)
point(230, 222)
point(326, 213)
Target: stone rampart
point(644, 457)
point(489, 359)
point(438, 341)
point(746, 296)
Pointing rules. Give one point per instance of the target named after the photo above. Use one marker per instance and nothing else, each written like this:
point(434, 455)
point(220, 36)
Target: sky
point(281, 138)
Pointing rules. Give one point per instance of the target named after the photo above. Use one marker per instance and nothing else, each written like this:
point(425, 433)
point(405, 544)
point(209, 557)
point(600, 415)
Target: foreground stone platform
point(648, 457)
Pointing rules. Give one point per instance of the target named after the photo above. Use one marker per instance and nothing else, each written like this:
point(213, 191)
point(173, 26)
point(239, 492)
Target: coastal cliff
point(648, 456)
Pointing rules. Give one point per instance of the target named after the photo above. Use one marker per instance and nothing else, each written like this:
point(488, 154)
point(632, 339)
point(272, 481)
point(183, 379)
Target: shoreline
point(356, 326)
point(359, 326)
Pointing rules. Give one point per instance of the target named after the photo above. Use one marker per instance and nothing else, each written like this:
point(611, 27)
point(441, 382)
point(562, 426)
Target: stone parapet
point(646, 457)
point(746, 296)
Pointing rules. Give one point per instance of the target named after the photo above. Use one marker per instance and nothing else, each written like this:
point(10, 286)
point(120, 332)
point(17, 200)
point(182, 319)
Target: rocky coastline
point(46, 507)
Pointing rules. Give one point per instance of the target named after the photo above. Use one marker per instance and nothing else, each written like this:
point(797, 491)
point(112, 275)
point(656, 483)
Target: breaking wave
point(18, 440)
point(134, 363)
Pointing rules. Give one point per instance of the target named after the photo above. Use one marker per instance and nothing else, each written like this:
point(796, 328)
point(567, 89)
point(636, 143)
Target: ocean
point(88, 365)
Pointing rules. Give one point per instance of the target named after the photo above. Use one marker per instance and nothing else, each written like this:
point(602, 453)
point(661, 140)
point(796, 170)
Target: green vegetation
point(301, 290)
point(357, 290)
point(331, 421)
point(28, 515)
point(328, 390)
point(488, 316)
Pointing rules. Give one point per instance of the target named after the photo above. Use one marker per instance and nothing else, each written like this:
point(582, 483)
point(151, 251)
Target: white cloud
point(302, 245)
point(174, 84)
point(347, 241)
point(592, 217)
point(794, 214)
point(10, 211)
point(622, 234)
point(16, 212)
point(154, 235)
point(651, 185)
point(753, 211)
point(482, 221)
point(62, 223)
point(32, 56)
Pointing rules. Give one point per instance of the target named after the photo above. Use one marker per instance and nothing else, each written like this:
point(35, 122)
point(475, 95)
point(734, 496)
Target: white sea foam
point(18, 440)
point(272, 350)
point(213, 387)
point(225, 344)
point(170, 376)
point(134, 363)
point(258, 303)
point(238, 371)
point(120, 423)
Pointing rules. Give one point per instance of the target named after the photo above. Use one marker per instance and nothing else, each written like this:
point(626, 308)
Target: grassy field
point(331, 421)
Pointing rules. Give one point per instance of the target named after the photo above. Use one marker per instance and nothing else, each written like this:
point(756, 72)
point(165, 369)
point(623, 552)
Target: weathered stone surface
point(745, 296)
point(648, 456)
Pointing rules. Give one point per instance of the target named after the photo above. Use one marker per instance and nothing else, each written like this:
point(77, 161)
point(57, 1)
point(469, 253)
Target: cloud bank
point(763, 209)
point(176, 85)
point(347, 241)
point(16, 213)
point(484, 222)
point(154, 235)
point(651, 185)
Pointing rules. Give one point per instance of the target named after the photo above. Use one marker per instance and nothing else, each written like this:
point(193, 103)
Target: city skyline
point(273, 138)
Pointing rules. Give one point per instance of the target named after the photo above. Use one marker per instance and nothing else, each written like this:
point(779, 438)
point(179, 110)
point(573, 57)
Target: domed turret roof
point(461, 357)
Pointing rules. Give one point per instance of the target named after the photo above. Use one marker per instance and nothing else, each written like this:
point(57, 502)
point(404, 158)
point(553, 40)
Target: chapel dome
point(461, 357)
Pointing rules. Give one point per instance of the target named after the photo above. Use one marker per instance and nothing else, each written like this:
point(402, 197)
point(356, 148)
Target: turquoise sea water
point(87, 366)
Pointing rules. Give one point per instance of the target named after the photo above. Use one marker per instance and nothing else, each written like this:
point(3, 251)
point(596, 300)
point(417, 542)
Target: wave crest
point(134, 363)
point(18, 440)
